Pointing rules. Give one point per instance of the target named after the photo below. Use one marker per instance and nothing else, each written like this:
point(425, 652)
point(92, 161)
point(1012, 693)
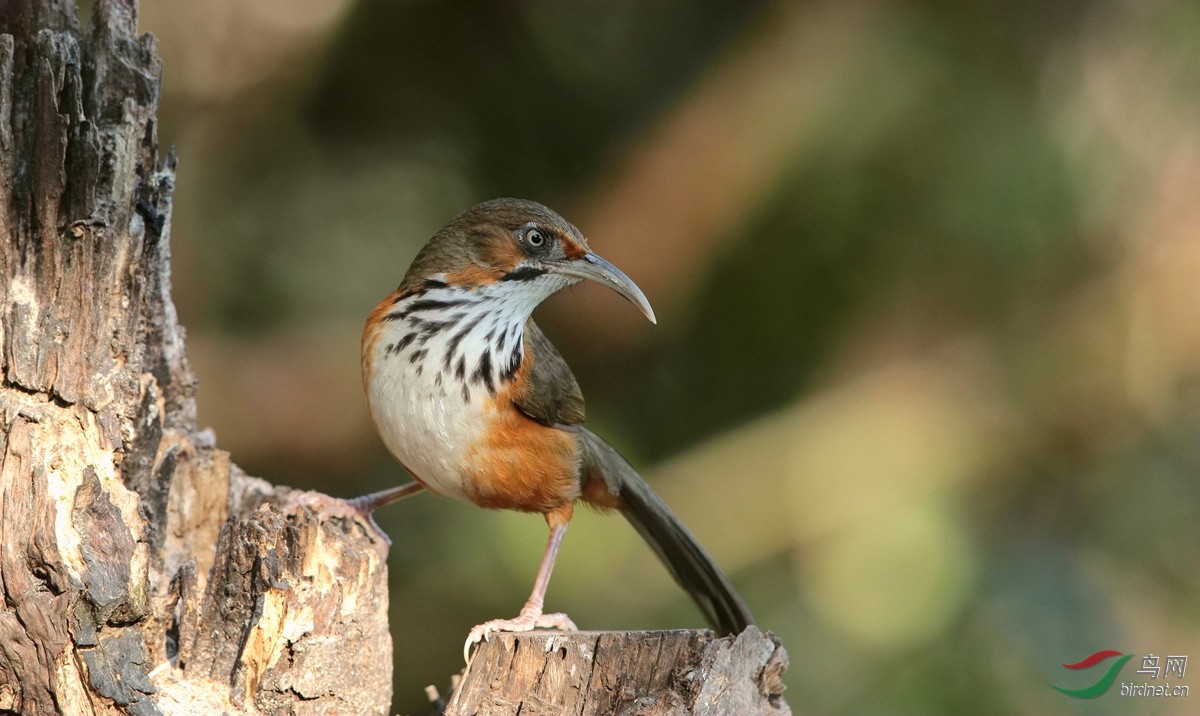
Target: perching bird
point(475, 402)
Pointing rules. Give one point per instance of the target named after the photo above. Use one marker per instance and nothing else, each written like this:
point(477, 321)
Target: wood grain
point(642, 673)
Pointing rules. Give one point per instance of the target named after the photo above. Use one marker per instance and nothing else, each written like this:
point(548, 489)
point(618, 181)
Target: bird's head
point(518, 249)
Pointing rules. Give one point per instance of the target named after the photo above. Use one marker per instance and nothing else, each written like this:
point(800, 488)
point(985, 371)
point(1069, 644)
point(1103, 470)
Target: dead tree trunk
point(140, 571)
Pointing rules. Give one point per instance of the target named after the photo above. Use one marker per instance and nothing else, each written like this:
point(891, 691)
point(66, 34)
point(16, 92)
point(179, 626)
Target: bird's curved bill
point(591, 266)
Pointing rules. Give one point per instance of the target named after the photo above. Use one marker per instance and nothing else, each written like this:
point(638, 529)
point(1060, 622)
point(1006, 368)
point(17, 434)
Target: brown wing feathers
point(551, 396)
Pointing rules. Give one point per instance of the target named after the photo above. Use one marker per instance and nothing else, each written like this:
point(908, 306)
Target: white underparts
point(442, 354)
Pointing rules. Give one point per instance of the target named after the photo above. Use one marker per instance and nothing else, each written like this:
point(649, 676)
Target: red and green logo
point(1104, 683)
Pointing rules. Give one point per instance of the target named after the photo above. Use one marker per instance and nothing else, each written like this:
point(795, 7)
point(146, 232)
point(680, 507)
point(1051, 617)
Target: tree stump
point(141, 572)
point(640, 673)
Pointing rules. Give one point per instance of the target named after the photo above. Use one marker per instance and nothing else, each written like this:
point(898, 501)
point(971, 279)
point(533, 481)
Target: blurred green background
point(925, 379)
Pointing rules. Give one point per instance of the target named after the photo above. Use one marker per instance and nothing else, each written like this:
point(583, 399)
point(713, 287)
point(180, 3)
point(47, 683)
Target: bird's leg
point(361, 507)
point(531, 616)
point(367, 504)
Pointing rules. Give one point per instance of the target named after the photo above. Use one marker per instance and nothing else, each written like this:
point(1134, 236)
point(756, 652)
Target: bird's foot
point(326, 507)
point(528, 620)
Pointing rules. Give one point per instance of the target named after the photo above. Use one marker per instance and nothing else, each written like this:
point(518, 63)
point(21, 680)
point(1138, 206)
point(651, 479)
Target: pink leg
point(531, 616)
point(367, 504)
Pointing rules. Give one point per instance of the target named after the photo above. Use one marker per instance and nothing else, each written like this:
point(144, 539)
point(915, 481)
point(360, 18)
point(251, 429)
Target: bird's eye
point(535, 238)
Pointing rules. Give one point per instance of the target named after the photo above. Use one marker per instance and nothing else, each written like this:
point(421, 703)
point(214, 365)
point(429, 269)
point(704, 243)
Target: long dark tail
point(610, 481)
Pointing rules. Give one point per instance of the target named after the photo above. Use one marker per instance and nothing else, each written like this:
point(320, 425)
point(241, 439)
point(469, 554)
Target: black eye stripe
point(524, 273)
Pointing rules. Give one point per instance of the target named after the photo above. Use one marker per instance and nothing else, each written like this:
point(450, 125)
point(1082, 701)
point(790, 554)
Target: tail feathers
point(690, 564)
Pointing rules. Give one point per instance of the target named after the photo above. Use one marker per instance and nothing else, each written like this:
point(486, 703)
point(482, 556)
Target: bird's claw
point(326, 507)
point(527, 621)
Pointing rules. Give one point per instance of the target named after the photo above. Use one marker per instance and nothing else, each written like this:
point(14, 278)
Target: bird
point(476, 403)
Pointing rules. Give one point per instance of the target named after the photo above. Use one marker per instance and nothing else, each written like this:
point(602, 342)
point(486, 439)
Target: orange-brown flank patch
point(520, 464)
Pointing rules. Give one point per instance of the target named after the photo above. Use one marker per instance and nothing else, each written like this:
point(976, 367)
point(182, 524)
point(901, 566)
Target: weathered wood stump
point(140, 571)
point(640, 673)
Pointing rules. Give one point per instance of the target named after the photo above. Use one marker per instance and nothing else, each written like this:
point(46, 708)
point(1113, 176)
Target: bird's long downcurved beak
point(591, 266)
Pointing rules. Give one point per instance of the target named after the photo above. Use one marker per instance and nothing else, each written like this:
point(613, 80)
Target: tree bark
point(141, 572)
point(655, 673)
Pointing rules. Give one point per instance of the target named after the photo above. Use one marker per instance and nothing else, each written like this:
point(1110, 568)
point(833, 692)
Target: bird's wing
point(550, 396)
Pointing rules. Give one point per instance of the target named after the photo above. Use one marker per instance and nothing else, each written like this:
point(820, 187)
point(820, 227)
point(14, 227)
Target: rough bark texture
point(672, 673)
point(140, 571)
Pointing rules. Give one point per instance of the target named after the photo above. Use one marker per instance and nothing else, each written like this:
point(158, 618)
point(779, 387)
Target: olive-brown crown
point(493, 238)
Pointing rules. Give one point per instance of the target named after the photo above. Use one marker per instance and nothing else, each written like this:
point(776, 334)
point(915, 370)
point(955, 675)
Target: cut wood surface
point(638, 673)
